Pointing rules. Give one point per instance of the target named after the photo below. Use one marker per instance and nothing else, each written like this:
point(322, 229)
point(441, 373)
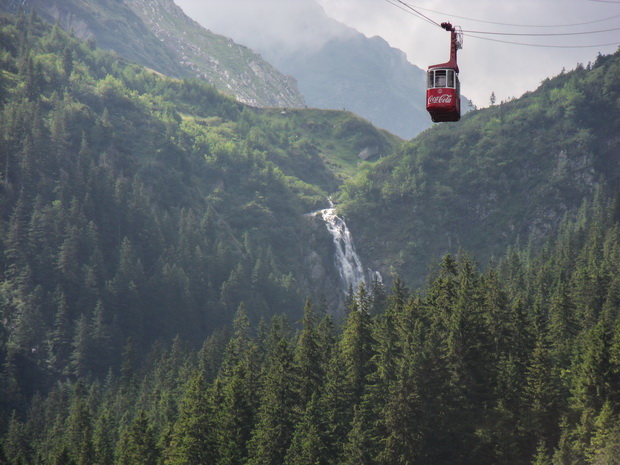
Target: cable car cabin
point(443, 91)
point(443, 95)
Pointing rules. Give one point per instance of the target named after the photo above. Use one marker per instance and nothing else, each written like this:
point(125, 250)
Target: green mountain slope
point(157, 34)
point(138, 214)
point(504, 173)
point(507, 366)
point(145, 206)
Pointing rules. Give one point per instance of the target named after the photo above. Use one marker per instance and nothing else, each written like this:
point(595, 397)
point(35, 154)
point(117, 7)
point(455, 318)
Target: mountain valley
point(168, 288)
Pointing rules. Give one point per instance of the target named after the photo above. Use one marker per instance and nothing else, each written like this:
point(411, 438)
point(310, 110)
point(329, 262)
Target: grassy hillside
point(344, 141)
point(510, 172)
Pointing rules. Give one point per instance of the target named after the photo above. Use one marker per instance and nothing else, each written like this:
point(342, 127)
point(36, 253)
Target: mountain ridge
point(366, 76)
point(147, 32)
point(335, 65)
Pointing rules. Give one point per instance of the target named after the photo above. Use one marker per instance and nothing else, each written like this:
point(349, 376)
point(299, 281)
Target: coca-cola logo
point(445, 98)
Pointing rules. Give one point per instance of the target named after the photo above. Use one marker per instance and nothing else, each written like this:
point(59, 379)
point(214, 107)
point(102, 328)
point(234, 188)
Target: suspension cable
point(540, 45)
point(414, 11)
point(406, 5)
point(542, 34)
point(527, 25)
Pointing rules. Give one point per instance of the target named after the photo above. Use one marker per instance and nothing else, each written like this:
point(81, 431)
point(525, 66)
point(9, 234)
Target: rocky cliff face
point(231, 67)
point(157, 34)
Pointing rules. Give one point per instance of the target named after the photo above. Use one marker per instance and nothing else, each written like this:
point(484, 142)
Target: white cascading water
point(347, 260)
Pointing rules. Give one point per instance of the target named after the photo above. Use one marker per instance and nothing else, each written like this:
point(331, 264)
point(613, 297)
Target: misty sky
point(486, 66)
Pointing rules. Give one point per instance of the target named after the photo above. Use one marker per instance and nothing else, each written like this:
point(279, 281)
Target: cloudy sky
point(557, 33)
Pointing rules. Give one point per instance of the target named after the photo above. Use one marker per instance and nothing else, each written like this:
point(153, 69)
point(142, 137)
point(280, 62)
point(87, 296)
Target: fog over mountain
point(276, 28)
point(335, 66)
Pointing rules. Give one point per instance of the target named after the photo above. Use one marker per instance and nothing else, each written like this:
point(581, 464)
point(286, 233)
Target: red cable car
point(443, 92)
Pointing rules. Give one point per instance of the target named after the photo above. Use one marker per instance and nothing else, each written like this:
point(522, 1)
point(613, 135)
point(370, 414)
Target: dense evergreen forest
point(137, 206)
point(519, 365)
point(508, 172)
point(139, 215)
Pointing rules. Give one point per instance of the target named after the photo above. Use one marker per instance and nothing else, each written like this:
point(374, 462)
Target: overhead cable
point(542, 34)
point(526, 25)
point(414, 11)
point(406, 5)
point(541, 45)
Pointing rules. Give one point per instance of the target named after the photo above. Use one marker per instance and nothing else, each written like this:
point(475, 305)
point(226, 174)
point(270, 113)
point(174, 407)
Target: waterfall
point(347, 261)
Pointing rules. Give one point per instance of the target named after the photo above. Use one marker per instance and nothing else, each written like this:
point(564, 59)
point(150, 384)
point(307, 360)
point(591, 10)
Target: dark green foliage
point(134, 206)
point(194, 437)
point(308, 357)
point(308, 444)
point(130, 219)
point(137, 444)
point(459, 374)
point(503, 173)
point(276, 416)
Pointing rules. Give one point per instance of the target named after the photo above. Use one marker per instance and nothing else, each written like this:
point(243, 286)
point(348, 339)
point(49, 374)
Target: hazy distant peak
point(282, 25)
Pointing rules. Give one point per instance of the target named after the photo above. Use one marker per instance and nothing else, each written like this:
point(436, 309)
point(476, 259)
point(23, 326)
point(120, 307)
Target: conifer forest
point(154, 307)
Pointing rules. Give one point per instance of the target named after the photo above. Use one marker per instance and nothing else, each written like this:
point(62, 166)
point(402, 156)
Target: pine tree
point(237, 408)
point(605, 437)
point(194, 438)
point(397, 297)
point(410, 404)
point(591, 386)
point(356, 348)
point(464, 349)
point(100, 337)
point(104, 438)
point(79, 434)
point(17, 443)
point(80, 356)
point(138, 445)
point(378, 296)
point(542, 455)
point(361, 446)
point(336, 406)
point(540, 396)
point(614, 365)
point(469, 347)
point(567, 449)
point(272, 434)
point(562, 324)
point(240, 342)
point(326, 340)
point(307, 357)
point(381, 381)
point(129, 363)
point(63, 458)
point(59, 339)
point(497, 315)
point(308, 443)
point(506, 436)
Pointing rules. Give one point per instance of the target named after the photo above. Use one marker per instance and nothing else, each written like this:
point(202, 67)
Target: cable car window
point(440, 78)
point(451, 78)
